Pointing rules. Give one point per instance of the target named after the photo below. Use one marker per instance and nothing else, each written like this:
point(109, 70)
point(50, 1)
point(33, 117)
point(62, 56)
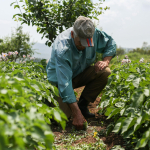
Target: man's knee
point(104, 73)
point(107, 71)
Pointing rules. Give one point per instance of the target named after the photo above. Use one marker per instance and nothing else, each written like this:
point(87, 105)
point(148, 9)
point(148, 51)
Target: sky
point(127, 21)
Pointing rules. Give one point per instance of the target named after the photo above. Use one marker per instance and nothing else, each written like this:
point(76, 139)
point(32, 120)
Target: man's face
point(78, 44)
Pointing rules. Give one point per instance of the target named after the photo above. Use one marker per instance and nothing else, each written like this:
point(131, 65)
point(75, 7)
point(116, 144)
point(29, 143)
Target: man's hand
point(78, 118)
point(100, 65)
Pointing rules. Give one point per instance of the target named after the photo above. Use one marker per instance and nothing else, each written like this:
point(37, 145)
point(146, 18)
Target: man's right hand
point(78, 118)
point(78, 121)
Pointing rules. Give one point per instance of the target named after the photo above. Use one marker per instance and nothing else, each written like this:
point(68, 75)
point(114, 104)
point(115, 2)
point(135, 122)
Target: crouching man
point(71, 55)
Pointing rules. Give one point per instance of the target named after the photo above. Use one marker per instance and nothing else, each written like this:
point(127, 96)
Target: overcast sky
point(127, 22)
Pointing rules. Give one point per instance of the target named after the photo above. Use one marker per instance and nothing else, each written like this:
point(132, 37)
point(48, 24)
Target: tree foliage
point(120, 51)
point(52, 17)
point(18, 41)
point(145, 49)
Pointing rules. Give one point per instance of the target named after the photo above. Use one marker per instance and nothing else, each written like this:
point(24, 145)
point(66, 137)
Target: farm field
point(27, 121)
point(30, 117)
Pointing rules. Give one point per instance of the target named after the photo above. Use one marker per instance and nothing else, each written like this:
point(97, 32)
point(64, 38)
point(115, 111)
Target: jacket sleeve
point(64, 78)
point(105, 44)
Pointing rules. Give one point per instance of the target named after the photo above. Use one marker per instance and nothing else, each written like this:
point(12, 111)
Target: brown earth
point(99, 123)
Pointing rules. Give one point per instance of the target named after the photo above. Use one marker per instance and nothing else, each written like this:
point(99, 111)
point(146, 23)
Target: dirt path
point(98, 124)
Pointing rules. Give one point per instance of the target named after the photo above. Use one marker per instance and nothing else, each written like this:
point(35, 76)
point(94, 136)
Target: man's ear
point(72, 34)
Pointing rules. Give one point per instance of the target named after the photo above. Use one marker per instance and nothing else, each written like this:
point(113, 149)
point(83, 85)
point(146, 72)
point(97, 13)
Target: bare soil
point(99, 123)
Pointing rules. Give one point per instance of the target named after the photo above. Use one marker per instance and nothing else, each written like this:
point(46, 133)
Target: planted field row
point(24, 113)
point(126, 99)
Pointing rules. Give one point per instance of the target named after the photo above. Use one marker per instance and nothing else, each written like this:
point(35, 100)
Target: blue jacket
point(66, 61)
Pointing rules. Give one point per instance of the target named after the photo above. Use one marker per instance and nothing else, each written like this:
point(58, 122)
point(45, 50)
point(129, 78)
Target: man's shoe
point(83, 107)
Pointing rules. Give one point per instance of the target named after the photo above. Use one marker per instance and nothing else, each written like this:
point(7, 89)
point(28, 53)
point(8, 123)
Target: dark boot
point(83, 107)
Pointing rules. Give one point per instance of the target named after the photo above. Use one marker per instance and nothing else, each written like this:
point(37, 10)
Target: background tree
point(120, 51)
point(145, 46)
point(18, 41)
point(1, 40)
point(53, 16)
point(145, 49)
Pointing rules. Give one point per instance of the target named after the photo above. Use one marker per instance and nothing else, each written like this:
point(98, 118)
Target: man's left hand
point(100, 65)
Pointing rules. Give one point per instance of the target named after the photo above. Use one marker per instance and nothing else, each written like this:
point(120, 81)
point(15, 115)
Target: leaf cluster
point(24, 114)
point(127, 100)
point(51, 17)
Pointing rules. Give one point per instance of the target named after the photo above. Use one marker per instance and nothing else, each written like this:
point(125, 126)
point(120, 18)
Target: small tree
point(18, 41)
point(53, 16)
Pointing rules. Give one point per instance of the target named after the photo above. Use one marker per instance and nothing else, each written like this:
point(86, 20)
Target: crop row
point(25, 117)
point(126, 100)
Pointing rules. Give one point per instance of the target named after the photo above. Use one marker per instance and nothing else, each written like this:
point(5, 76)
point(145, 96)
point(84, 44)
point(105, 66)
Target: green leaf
point(138, 123)
point(38, 29)
point(141, 119)
point(143, 141)
point(16, 6)
point(128, 132)
point(118, 125)
point(138, 98)
point(109, 110)
point(136, 82)
point(37, 133)
point(122, 111)
point(26, 1)
point(19, 79)
point(110, 79)
point(127, 123)
point(147, 104)
point(85, 125)
point(17, 15)
point(36, 87)
point(114, 112)
point(120, 104)
point(96, 18)
point(57, 115)
point(104, 104)
point(49, 139)
point(109, 129)
point(130, 78)
point(63, 124)
point(12, 3)
point(146, 92)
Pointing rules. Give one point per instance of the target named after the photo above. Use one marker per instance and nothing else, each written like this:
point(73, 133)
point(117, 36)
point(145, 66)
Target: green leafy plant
point(24, 115)
point(126, 99)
